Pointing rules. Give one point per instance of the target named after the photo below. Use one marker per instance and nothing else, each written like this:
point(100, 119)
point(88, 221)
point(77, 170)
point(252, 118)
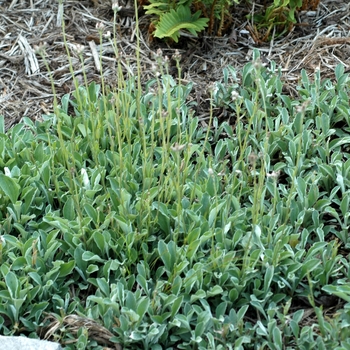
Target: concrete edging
point(23, 343)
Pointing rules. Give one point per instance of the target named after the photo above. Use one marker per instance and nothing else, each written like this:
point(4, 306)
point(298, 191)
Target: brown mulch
point(73, 324)
point(319, 41)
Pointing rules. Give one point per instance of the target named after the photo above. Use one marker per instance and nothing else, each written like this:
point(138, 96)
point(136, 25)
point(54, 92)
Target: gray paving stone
point(23, 343)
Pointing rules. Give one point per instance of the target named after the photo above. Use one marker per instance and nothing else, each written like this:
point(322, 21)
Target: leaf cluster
point(128, 211)
point(171, 18)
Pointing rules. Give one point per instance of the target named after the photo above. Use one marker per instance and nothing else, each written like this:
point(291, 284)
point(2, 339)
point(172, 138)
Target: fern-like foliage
point(160, 7)
point(170, 17)
point(172, 22)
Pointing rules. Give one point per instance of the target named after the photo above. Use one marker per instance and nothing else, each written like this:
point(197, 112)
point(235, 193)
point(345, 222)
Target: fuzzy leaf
point(9, 187)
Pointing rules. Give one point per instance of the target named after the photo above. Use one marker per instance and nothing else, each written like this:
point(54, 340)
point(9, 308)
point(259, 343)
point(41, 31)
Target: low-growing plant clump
point(171, 18)
point(168, 231)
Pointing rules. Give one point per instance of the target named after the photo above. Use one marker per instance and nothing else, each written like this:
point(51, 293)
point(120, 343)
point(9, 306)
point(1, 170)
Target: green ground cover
point(125, 208)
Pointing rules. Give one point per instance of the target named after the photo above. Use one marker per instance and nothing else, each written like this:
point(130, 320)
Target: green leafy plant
point(170, 18)
point(280, 15)
point(172, 22)
point(123, 211)
point(169, 233)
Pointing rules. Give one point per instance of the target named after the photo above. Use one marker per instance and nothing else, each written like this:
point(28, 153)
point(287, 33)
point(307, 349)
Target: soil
point(320, 40)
